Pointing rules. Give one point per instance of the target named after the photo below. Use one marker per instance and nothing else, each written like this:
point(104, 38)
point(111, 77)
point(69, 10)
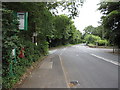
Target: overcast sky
point(88, 15)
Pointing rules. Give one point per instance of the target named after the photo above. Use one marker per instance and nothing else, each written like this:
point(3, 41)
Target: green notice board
point(23, 20)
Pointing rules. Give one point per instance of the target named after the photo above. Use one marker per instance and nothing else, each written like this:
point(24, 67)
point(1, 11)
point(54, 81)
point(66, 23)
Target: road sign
point(23, 20)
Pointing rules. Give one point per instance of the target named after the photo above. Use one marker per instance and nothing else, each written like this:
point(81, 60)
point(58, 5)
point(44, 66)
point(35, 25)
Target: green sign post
point(23, 25)
point(23, 20)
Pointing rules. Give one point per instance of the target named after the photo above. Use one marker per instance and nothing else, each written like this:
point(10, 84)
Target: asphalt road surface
point(89, 67)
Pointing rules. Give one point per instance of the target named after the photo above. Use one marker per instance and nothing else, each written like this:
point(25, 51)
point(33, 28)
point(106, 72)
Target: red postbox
point(21, 55)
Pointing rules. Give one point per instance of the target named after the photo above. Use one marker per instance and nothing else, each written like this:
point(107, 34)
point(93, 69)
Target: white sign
point(21, 17)
point(13, 52)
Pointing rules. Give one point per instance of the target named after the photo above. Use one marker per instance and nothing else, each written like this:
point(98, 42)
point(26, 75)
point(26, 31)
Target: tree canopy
point(111, 20)
point(98, 31)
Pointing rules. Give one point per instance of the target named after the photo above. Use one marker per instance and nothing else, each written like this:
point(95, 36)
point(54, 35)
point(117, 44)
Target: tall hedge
point(14, 66)
point(41, 21)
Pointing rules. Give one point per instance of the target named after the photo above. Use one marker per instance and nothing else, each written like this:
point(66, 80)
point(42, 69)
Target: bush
point(12, 70)
point(43, 47)
point(102, 42)
point(83, 41)
point(92, 38)
point(32, 53)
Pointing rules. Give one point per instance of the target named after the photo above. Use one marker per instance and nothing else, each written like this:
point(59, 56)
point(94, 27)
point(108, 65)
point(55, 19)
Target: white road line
point(51, 65)
point(108, 60)
point(46, 65)
point(66, 80)
point(62, 51)
point(52, 51)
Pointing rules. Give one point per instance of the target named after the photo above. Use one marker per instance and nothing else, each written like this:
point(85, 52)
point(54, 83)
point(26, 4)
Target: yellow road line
point(64, 72)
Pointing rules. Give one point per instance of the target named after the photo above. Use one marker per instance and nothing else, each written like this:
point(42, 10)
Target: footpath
point(48, 74)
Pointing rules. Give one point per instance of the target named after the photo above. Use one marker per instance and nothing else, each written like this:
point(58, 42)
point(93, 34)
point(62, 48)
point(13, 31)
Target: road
point(90, 67)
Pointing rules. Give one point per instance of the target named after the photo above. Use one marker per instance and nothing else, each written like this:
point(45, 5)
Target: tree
point(92, 38)
point(41, 21)
point(98, 31)
point(64, 31)
point(111, 20)
point(71, 7)
point(89, 29)
point(13, 38)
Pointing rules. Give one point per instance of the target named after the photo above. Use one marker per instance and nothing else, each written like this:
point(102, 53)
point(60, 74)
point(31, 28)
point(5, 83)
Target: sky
point(89, 15)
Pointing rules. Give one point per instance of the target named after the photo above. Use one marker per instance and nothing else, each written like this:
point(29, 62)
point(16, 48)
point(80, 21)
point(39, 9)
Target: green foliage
point(13, 38)
point(92, 38)
point(10, 41)
point(91, 45)
point(97, 31)
point(43, 47)
point(76, 38)
point(111, 20)
point(89, 29)
point(102, 42)
point(61, 23)
point(71, 7)
point(64, 32)
point(51, 29)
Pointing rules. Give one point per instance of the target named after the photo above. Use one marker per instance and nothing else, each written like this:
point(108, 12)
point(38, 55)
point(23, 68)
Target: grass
point(106, 47)
point(92, 45)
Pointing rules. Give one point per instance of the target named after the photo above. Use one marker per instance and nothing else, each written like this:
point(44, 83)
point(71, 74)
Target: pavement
point(76, 66)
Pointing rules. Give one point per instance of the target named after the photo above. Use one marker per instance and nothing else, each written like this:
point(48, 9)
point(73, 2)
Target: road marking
point(46, 65)
point(52, 51)
point(62, 51)
point(108, 60)
point(66, 80)
point(51, 65)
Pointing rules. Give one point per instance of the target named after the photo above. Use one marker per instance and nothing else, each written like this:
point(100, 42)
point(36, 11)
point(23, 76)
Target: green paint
point(10, 70)
point(25, 20)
